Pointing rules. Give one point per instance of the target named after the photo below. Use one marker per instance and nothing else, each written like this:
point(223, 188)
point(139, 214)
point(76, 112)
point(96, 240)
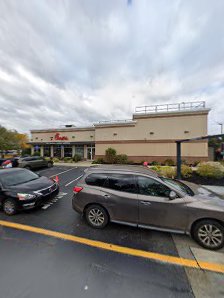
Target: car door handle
point(145, 203)
point(106, 196)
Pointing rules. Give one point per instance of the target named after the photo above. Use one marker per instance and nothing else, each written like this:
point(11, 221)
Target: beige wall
point(162, 128)
point(80, 136)
point(155, 149)
point(135, 140)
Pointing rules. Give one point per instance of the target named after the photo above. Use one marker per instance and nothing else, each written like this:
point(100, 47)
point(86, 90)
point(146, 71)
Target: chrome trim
point(124, 223)
point(162, 229)
point(55, 185)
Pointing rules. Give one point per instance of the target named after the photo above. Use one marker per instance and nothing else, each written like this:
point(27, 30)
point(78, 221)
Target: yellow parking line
point(215, 267)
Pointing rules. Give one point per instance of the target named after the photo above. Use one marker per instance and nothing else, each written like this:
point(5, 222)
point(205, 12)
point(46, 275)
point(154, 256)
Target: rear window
point(96, 179)
point(121, 182)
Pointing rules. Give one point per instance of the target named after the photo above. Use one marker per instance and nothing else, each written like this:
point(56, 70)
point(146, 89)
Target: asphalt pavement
point(37, 265)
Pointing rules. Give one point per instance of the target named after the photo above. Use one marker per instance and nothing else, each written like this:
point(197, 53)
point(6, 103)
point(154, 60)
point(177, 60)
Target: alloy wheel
point(210, 235)
point(96, 217)
point(9, 207)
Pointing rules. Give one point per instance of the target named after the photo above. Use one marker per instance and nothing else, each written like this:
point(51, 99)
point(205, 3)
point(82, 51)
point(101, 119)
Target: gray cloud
point(83, 61)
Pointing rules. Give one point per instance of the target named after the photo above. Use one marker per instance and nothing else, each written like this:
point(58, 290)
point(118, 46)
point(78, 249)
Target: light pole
point(221, 125)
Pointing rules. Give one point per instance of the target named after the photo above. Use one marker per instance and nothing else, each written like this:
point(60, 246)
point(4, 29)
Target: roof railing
point(115, 121)
point(194, 105)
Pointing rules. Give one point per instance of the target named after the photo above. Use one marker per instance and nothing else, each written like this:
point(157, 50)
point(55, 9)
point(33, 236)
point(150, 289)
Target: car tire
point(9, 207)
point(49, 164)
point(96, 216)
point(209, 234)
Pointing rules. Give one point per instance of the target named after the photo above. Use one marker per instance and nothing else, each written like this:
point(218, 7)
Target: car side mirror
point(172, 195)
point(38, 174)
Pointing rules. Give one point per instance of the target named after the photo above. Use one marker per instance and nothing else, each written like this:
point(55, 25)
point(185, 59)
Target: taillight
point(77, 189)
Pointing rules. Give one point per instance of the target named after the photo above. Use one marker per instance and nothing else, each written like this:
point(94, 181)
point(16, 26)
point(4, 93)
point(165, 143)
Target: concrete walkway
point(75, 164)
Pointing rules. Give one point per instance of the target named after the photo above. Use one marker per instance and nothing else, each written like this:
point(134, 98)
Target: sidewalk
point(75, 164)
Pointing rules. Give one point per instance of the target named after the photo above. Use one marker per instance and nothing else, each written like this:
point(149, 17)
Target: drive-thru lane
point(56, 268)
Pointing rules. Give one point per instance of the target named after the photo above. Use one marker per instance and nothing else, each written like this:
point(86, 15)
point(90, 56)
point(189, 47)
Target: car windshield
point(16, 178)
point(178, 186)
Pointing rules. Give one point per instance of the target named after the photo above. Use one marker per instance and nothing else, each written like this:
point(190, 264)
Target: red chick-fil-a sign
point(57, 137)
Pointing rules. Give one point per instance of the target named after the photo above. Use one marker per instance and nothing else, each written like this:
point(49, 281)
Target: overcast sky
point(81, 61)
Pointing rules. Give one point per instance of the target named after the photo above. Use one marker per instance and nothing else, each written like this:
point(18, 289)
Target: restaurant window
point(80, 150)
point(47, 151)
point(57, 151)
point(67, 151)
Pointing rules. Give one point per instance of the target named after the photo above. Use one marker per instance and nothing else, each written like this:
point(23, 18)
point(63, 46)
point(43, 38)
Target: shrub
point(55, 159)
point(110, 155)
point(99, 160)
point(167, 171)
point(156, 169)
point(195, 163)
point(36, 153)
point(169, 162)
point(186, 171)
point(122, 159)
point(77, 158)
point(68, 159)
point(184, 162)
point(154, 163)
point(26, 151)
point(47, 158)
point(211, 170)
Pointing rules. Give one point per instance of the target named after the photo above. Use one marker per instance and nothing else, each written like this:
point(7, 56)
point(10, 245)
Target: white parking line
point(63, 172)
point(50, 203)
point(73, 180)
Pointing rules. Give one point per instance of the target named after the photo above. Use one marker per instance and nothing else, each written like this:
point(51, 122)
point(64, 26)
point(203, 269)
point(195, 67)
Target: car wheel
point(49, 164)
point(9, 207)
point(209, 234)
point(96, 216)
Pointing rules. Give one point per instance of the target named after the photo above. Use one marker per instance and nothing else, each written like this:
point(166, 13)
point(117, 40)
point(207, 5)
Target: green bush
point(169, 162)
point(154, 163)
point(26, 151)
point(167, 171)
point(99, 160)
point(156, 169)
point(186, 171)
point(68, 159)
point(111, 155)
point(122, 159)
point(196, 163)
point(47, 158)
point(77, 158)
point(184, 162)
point(211, 170)
point(36, 153)
point(55, 159)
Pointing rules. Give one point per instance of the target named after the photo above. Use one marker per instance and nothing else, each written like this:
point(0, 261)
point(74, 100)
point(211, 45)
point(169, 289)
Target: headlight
point(25, 196)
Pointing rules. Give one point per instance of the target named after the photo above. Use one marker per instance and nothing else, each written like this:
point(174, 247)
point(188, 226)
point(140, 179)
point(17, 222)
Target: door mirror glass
point(172, 195)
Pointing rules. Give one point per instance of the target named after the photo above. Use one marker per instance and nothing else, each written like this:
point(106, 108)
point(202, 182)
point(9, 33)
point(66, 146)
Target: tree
point(23, 141)
point(12, 140)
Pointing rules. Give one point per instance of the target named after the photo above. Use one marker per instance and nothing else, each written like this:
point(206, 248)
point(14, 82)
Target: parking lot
point(80, 261)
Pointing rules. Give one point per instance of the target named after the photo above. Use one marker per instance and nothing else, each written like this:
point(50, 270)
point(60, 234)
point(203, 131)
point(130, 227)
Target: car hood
point(205, 199)
point(34, 185)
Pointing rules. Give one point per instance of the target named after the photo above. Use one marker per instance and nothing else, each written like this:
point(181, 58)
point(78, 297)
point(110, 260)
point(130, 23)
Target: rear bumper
point(75, 206)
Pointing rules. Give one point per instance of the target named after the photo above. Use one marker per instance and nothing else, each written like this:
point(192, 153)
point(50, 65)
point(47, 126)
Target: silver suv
point(138, 197)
